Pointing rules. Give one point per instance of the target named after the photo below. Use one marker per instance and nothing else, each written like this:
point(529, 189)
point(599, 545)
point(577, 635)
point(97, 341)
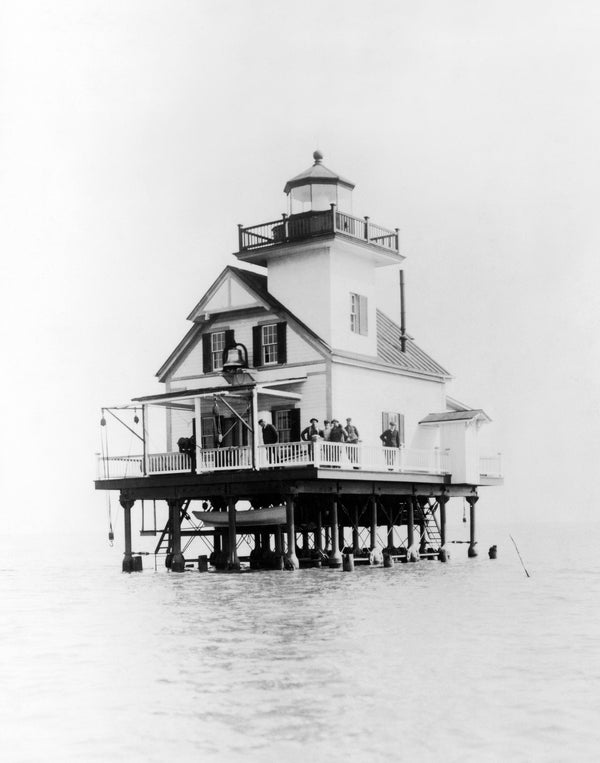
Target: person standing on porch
point(352, 438)
point(269, 433)
point(326, 430)
point(312, 432)
point(391, 437)
point(352, 435)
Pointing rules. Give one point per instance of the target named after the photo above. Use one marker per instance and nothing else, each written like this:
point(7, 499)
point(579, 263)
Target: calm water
point(467, 661)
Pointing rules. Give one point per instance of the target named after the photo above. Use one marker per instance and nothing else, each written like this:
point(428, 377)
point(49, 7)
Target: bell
point(235, 359)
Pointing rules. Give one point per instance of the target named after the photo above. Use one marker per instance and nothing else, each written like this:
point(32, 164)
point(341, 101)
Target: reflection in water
point(469, 660)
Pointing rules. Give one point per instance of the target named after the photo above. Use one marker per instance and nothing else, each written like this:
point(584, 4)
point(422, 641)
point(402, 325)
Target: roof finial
point(318, 157)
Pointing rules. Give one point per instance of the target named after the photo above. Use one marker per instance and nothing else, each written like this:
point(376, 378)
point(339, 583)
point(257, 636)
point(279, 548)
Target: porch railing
point(220, 459)
point(321, 454)
point(164, 463)
point(309, 224)
point(112, 467)
point(491, 466)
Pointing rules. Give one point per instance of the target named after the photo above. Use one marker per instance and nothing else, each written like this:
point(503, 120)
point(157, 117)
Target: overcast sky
point(134, 136)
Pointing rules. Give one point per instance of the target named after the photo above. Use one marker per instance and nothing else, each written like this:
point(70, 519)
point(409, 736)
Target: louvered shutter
point(295, 425)
point(401, 427)
point(256, 346)
point(206, 354)
point(363, 315)
point(282, 342)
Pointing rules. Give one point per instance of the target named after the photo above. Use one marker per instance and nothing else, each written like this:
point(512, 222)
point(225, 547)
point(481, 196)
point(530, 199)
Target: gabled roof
point(414, 359)
point(440, 418)
point(258, 284)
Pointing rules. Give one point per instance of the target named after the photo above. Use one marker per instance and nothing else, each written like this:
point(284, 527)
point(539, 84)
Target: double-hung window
point(358, 314)
point(217, 345)
point(269, 344)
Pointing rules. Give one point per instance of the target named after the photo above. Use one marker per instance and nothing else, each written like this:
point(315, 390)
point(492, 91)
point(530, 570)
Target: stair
point(432, 529)
point(162, 547)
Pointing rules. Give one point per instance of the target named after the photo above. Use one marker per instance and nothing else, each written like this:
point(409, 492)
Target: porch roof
point(449, 416)
point(263, 388)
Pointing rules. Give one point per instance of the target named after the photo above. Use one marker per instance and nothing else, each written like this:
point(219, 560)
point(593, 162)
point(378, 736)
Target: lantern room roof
point(318, 173)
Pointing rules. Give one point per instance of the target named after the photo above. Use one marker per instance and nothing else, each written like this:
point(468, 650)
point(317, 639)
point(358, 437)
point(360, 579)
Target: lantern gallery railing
point(309, 224)
point(321, 454)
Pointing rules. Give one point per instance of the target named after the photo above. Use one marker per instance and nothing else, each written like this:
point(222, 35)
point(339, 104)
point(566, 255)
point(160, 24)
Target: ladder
point(163, 545)
point(432, 528)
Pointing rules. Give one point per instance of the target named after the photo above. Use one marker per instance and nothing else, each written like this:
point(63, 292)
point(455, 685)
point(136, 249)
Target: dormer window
point(358, 314)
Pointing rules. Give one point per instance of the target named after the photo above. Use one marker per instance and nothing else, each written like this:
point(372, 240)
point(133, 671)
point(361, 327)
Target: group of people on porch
point(332, 431)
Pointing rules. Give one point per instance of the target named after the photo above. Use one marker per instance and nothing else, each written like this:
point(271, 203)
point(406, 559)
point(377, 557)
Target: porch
point(281, 456)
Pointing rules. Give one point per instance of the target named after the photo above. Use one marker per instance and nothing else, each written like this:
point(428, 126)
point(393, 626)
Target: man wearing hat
point(269, 433)
point(312, 431)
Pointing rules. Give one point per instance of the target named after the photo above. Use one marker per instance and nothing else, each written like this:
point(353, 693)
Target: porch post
point(335, 557)
point(472, 551)
point(198, 448)
point(292, 559)
point(127, 505)
point(373, 522)
point(177, 559)
point(412, 555)
point(144, 440)
point(255, 429)
point(233, 563)
point(442, 500)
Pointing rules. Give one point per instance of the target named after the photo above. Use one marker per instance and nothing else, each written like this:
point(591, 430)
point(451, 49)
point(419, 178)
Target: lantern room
point(317, 188)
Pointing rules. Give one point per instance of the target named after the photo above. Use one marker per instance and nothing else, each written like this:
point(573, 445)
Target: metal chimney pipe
point(402, 315)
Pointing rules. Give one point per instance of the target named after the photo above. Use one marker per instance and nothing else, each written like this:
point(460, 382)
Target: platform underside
point(306, 479)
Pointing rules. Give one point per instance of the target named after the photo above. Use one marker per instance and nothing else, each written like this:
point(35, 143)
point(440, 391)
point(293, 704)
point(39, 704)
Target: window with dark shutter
point(282, 342)
point(206, 354)
point(257, 346)
point(295, 424)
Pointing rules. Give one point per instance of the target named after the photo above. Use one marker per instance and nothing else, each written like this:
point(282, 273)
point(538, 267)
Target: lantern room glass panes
point(318, 197)
point(300, 200)
point(323, 196)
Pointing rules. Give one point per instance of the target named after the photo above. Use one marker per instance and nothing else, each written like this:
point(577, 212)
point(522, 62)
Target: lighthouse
point(294, 388)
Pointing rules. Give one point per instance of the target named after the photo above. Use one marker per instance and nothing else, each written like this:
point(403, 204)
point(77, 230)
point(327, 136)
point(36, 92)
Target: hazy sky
point(134, 136)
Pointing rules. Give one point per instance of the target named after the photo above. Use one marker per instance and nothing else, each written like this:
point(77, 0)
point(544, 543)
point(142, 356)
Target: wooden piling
point(127, 505)
point(233, 563)
point(472, 550)
point(177, 559)
point(335, 556)
point(292, 559)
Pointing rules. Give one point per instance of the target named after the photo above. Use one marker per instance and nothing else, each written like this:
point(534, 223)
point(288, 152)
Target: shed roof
point(439, 418)
point(414, 359)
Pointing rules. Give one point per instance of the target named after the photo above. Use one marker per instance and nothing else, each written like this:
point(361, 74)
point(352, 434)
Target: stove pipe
point(402, 315)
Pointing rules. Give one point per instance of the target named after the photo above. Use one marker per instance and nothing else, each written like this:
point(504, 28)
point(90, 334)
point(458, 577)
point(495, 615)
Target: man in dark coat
point(391, 437)
point(269, 433)
point(312, 431)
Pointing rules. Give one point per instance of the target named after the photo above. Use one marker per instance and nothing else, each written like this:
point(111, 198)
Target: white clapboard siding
point(298, 349)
